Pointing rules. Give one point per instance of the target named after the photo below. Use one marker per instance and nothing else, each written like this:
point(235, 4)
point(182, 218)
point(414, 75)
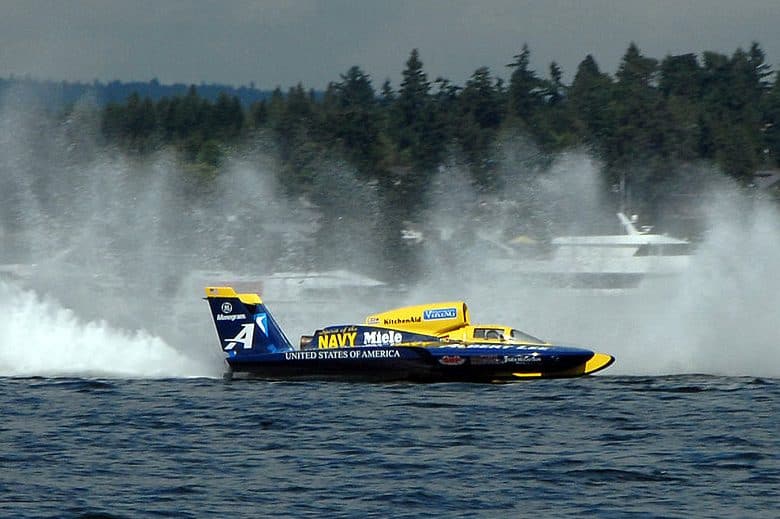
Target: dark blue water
point(607, 446)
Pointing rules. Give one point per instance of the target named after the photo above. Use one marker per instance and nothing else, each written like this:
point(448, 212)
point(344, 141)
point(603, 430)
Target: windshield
point(501, 335)
point(517, 335)
point(489, 333)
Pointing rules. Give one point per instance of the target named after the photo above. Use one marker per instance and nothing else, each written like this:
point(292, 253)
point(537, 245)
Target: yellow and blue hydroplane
point(426, 343)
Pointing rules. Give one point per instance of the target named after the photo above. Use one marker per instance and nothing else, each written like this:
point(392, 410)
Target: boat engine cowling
point(430, 319)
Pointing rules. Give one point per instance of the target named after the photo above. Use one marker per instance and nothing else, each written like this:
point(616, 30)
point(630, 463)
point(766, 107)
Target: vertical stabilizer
point(244, 324)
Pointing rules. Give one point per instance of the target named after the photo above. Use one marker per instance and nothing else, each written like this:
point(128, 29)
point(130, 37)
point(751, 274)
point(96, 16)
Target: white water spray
point(99, 243)
point(112, 243)
point(717, 318)
point(40, 338)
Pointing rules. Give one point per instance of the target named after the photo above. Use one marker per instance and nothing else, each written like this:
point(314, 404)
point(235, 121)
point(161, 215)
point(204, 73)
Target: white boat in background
point(603, 261)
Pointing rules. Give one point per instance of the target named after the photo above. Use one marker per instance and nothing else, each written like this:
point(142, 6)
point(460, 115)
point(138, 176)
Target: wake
point(42, 338)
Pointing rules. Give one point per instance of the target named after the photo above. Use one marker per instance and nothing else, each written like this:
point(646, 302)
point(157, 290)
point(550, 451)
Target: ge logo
point(227, 308)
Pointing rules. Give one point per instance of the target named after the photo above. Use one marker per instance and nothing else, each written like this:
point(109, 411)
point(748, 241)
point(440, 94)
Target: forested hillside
point(658, 113)
point(648, 125)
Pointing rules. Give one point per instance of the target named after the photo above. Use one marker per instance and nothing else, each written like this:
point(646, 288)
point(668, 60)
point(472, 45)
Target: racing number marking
point(244, 337)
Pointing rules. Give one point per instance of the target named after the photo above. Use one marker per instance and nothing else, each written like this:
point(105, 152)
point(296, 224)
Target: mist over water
point(720, 317)
point(114, 251)
point(716, 318)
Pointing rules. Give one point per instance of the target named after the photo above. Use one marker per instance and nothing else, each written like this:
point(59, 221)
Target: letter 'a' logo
point(245, 337)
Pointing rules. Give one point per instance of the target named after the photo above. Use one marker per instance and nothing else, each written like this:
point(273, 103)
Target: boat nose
point(598, 362)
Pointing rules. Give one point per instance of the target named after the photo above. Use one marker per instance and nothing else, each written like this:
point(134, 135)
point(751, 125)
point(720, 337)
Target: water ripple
point(606, 446)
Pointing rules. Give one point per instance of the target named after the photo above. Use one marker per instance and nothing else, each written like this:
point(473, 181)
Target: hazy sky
point(283, 42)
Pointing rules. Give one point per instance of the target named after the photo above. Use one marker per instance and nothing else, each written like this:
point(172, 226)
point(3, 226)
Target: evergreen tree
point(590, 96)
point(353, 119)
point(259, 113)
point(733, 90)
point(554, 91)
point(481, 100)
point(387, 95)
point(524, 87)
point(415, 127)
point(637, 108)
point(555, 123)
point(681, 76)
point(413, 96)
point(771, 123)
point(482, 112)
point(637, 149)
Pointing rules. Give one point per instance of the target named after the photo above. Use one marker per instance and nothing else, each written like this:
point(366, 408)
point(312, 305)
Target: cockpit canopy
point(498, 332)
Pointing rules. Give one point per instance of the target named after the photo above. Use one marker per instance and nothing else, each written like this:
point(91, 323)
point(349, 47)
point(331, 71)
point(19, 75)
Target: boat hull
point(421, 364)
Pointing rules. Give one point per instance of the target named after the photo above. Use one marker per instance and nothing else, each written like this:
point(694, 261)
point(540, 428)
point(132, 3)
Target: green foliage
point(413, 124)
point(351, 119)
point(591, 99)
point(682, 109)
point(197, 127)
point(525, 88)
point(771, 123)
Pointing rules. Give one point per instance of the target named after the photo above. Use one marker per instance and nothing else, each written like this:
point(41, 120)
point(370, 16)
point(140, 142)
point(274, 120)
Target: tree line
point(725, 109)
point(56, 95)
point(645, 123)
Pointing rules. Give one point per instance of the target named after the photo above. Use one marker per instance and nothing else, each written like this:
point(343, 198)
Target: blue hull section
point(478, 363)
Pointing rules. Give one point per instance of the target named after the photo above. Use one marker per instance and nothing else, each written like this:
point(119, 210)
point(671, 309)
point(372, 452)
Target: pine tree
point(481, 114)
point(353, 118)
point(590, 96)
point(416, 127)
point(525, 88)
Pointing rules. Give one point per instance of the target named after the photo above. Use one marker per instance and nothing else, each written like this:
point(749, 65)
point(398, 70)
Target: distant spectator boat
point(606, 261)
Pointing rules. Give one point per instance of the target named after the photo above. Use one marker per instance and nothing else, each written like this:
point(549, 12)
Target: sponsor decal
point(230, 317)
point(452, 360)
point(336, 340)
point(378, 338)
point(262, 322)
point(227, 307)
point(402, 320)
point(522, 359)
point(339, 329)
point(342, 354)
point(487, 360)
point(484, 360)
point(434, 314)
point(372, 320)
point(496, 347)
point(244, 337)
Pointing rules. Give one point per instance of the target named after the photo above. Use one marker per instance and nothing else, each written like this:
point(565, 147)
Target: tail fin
point(244, 324)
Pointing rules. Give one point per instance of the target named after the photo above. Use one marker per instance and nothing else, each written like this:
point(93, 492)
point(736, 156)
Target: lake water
point(608, 446)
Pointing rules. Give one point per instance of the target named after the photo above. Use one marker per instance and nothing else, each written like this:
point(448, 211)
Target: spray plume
point(119, 249)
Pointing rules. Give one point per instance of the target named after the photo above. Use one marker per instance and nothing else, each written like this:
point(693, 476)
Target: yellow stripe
point(527, 375)
point(250, 299)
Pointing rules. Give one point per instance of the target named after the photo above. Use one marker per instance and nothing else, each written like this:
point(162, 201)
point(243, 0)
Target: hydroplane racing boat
point(425, 343)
